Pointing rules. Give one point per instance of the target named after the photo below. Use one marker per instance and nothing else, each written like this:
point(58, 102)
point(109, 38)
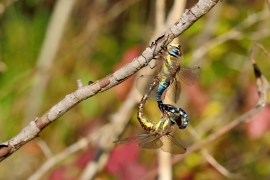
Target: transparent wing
point(189, 75)
point(171, 145)
point(143, 82)
point(129, 140)
point(151, 142)
point(160, 59)
point(174, 90)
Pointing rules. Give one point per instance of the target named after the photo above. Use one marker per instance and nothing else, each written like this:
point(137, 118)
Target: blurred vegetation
point(226, 88)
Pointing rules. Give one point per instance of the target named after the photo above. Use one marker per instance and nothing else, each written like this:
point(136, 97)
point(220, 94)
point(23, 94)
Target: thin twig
point(210, 159)
point(93, 24)
point(267, 54)
point(160, 14)
point(220, 132)
point(164, 159)
point(234, 33)
point(218, 166)
point(44, 147)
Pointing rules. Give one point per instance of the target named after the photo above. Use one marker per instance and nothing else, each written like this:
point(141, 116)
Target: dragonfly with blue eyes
point(159, 133)
point(169, 71)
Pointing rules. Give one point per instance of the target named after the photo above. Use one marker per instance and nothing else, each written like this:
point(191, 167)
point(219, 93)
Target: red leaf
point(57, 173)
point(83, 159)
point(198, 98)
point(123, 162)
point(60, 173)
point(259, 124)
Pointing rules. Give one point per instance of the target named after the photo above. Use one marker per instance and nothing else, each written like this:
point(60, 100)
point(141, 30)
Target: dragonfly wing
point(171, 145)
point(189, 75)
point(152, 142)
point(143, 82)
point(160, 59)
point(174, 91)
point(132, 139)
point(158, 64)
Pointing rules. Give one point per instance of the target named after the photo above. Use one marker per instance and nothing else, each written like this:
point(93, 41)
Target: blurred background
point(46, 46)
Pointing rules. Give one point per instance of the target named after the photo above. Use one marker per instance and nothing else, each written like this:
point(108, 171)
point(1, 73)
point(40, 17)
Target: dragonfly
point(169, 71)
point(159, 133)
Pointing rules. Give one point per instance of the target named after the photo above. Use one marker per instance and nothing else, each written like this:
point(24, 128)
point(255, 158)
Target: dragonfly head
point(174, 50)
point(180, 121)
point(177, 116)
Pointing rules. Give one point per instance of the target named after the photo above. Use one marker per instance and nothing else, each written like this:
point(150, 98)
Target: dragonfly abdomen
point(146, 124)
point(163, 85)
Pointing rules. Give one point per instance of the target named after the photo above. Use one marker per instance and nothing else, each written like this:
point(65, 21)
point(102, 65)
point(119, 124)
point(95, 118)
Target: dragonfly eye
point(179, 117)
point(179, 121)
point(174, 50)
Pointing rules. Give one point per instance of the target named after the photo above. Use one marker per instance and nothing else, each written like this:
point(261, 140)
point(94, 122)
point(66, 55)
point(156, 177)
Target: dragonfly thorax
point(163, 126)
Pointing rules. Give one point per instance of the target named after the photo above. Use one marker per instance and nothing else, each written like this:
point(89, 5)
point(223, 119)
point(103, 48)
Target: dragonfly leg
point(164, 48)
point(154, 58)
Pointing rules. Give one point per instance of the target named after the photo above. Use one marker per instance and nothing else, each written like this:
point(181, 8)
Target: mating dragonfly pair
point(169, 71)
